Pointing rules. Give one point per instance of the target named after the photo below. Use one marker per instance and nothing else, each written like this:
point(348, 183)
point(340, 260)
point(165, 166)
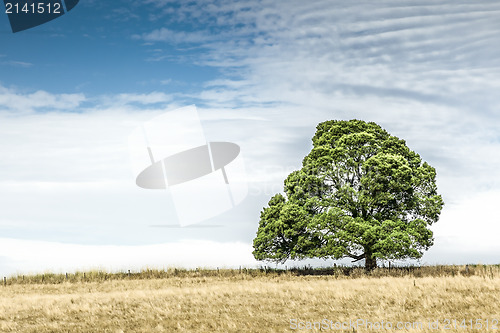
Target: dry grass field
point(255, 301)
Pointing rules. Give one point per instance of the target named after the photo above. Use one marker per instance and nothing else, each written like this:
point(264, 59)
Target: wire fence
point(337, 271)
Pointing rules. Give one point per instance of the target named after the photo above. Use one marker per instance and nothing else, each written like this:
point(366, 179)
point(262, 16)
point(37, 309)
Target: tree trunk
point(370, 261)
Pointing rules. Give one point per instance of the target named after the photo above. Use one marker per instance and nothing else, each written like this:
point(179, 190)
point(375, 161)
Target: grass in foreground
point(251, 301)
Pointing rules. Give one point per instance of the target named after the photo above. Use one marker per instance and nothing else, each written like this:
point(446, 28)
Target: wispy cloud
point(167, 35)
point(122, 14)
point(18, 63)
point(419, 51)
point(427, 72)
point(11, 100)
point(130, 98)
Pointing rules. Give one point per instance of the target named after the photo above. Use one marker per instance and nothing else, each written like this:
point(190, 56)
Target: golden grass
point(230, 301)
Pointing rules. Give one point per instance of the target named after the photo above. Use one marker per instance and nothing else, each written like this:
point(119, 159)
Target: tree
point(361, 193)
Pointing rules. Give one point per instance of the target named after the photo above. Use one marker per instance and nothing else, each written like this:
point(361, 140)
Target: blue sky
point(94, 51)
point(262, 74)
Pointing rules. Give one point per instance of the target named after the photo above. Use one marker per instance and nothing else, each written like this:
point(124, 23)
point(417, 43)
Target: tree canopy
point(361, 193)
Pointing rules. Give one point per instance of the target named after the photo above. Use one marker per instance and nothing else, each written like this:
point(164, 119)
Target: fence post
point(4, 281)
point(129, 273)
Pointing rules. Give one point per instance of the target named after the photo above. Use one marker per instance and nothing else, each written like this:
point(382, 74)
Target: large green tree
point(361, 193)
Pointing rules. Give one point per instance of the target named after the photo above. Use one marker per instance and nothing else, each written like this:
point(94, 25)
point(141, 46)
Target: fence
point(338, 271)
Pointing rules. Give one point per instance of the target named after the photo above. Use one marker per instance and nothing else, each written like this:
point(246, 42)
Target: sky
point(262, 74)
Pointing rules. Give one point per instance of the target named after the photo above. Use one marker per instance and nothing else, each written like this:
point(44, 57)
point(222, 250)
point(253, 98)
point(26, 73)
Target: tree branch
point(356, 257)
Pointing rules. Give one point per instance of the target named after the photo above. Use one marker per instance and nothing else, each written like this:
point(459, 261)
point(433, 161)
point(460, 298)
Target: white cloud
point(467, 231)
point(24, 257)
point(167, 35)
point(18, 64)
point(11, 100)
point(130, 98)
point(472, 220)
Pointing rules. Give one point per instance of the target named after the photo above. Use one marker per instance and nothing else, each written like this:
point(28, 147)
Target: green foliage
point(361, 193)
